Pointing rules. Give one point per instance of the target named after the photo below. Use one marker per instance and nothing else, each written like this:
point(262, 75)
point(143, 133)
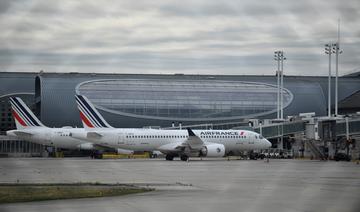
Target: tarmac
point(197, 185)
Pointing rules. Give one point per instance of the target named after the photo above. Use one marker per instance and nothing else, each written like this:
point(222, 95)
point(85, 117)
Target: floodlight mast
point(328, 50)
point(337, 51)
point(277, 58)
point(282, 87)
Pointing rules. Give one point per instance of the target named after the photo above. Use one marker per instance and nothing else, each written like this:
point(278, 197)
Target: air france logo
point(220, 133)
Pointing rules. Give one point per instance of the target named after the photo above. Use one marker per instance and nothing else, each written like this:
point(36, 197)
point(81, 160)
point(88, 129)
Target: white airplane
point(29, 128)
point(172, 143)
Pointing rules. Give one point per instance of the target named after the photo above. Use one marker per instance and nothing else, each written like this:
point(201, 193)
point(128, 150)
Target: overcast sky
point(191, 37)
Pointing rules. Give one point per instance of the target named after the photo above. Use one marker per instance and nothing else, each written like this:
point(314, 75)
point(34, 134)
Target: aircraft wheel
point(184, 157)
point(169, 157)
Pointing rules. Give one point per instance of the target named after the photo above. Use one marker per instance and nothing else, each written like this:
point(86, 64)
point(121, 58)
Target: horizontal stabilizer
point(22, 134)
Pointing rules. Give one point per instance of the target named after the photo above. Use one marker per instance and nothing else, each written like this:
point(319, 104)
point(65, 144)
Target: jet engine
point(86, 146)
point(212, 150)
point(125, 151)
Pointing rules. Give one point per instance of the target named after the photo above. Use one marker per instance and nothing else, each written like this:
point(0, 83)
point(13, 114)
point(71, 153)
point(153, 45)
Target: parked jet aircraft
point(183, 143)
point(29, 128)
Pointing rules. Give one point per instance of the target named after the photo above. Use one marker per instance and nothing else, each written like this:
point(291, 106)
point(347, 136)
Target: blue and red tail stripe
point(18, 118)
point(21, 114)
point(85, 115)
point(88, 114)
point(85, 120)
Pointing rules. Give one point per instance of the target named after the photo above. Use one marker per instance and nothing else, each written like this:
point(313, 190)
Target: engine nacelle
point(86, 146)
point(213, 150)
point(125, 151)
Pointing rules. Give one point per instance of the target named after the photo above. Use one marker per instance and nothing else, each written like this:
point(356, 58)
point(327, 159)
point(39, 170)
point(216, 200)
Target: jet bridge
point(281, 129)
point(353, 127)
point(287, 128)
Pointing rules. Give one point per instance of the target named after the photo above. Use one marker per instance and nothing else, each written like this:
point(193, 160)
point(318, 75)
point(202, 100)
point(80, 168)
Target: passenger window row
point(157, 136)
point(181, 136)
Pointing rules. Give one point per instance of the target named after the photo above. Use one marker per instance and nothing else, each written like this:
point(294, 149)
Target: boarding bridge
point(287, 128)
point(354, 127)
point(334, 135)
point(281, 129)
point(214, 126)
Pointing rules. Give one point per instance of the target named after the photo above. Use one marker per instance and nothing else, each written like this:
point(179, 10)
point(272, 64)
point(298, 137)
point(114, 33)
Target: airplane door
point(121, 139)
point(251, 140)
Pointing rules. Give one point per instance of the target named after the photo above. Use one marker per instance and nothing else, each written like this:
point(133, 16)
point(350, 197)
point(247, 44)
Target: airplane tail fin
point(23, 116)
point(90, 117)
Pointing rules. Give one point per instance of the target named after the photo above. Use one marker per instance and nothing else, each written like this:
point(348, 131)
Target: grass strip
point(11, 193)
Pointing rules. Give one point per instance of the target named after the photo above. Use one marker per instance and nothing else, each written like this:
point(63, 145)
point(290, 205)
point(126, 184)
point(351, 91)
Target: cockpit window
point(255, 136)
point(261, 137)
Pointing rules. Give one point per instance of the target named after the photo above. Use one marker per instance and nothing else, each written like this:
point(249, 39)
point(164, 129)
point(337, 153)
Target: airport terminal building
point(138, 100)
point(142, 100)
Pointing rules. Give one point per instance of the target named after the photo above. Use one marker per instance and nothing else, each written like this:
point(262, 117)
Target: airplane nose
point(268, 144)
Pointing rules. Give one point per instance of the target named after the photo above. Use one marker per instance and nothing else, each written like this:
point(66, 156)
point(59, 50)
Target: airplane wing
point(193, 142)
point(172, 147)
point(22, 133)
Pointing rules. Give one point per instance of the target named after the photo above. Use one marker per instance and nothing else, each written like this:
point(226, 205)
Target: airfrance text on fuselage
point(220, 133)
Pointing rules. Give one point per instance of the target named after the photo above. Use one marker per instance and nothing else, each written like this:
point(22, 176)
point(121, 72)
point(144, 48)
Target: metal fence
point(8, 145)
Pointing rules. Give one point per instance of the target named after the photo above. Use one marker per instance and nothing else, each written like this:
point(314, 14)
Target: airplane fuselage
point(56, 137)
point(154, 139)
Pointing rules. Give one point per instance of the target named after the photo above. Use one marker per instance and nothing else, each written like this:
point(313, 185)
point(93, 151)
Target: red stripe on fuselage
point(17, 117)
point(85, 120)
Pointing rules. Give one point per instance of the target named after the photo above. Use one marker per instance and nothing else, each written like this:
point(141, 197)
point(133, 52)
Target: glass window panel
point(185, 99)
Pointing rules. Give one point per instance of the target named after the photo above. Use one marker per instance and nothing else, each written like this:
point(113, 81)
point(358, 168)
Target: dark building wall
point(19, 84)
point(56, 104)
point(58, 90)
point(16, 83)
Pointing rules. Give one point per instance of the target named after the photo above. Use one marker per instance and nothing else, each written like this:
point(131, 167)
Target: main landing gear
point(182, 157)
point(169, 157)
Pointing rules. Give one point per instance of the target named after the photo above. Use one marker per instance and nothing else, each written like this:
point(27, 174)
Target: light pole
point(277, 58)
point(282, 86)
point(328, 51)
point(337, 51)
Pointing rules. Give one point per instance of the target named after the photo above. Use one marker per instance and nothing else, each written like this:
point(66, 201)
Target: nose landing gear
point(184, 157)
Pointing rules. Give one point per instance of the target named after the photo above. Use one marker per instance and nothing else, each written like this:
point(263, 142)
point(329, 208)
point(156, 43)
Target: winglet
point(191, 133)
point(194, 141)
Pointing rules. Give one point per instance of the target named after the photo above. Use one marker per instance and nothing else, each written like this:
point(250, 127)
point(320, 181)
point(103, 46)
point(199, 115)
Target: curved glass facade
point(183, 99)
